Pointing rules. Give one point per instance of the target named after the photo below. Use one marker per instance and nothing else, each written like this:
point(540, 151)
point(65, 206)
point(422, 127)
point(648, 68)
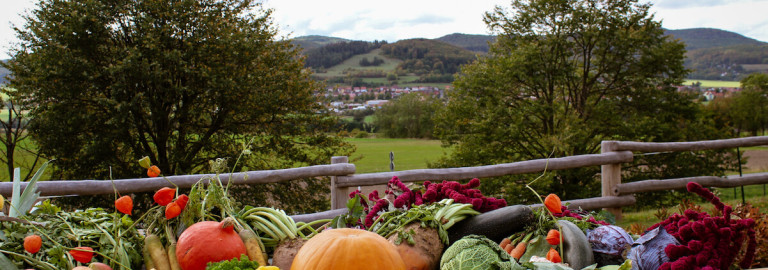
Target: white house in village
point(376, 103)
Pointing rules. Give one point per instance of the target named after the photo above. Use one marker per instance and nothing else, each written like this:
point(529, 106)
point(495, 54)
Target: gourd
point(208, 241)
point(347, 249)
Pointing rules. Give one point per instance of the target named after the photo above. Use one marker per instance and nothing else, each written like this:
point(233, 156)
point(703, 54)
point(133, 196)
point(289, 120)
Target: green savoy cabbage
point(476, 252)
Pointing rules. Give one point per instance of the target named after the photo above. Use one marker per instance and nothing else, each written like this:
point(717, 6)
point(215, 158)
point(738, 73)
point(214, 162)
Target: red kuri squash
point(208, 241)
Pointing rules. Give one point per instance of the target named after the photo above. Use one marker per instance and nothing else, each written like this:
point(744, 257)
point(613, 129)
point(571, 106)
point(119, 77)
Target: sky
point(403, 19)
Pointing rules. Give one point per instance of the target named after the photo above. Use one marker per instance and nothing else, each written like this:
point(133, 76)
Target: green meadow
point(372, 154)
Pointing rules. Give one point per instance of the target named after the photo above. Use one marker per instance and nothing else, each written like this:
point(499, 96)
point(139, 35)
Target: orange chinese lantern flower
point(553, 203)
point(164, 196)
point(82, 254)
point(553, 256)
point(153, 171)
point(182, 201)
point(553, 237)
point(124, 204)
point(172, 210)
point(33, 243)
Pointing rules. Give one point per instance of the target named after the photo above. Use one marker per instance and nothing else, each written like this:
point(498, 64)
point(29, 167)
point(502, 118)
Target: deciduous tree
point(561, 77)
point(183, 82)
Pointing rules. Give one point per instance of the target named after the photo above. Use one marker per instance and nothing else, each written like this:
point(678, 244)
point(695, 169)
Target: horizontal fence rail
point(463, 173)
point(613, 153)
point(678, 183)
point(688, 146)
point(97, 187)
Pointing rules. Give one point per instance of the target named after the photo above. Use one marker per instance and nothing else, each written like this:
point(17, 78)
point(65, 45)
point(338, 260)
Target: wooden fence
point(613, 153)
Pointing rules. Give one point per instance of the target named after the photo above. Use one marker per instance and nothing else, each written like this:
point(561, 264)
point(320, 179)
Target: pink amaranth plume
point(707, 242)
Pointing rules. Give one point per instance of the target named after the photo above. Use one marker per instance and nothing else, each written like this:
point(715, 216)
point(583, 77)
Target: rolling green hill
point(475, 43)
point(315, 41)
point(703, 38)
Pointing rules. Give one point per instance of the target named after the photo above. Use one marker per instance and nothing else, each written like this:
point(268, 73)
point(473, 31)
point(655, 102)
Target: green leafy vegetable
point(234, 264)
point(476, 252)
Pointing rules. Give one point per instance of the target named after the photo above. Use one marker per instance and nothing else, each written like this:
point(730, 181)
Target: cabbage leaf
point(476, 252)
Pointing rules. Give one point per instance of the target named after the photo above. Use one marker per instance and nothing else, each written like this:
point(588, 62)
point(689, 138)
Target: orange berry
point(553, 237)
point(553, 203)
point(153, 171)
point(33, 243)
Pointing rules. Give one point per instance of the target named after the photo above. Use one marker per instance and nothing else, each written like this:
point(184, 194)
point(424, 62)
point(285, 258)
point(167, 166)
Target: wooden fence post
point(338, 198)
point(610, 175)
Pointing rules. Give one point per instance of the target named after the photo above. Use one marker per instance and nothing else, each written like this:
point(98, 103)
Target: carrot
point(157, 252)
point(505, 242)
point(508, 248)
point(519, 250)
point(253, 247)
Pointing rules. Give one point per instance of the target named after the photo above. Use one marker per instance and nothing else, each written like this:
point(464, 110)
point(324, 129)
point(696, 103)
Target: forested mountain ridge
point(703, 38)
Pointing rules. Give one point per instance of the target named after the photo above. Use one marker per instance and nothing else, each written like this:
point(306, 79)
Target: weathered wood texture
point(95, 187)
point(338, 196)
point(598, 202)
point(689, 146)
point(319, 215)
point(463, 173)
point(678, 183)
point(610, 175)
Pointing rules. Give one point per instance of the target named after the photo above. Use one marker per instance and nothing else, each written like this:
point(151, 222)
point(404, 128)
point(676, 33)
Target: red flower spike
point(164, 196)
point(553, 256)
point(553, 203)
point(553, 237)
point(153, 171)
point(33, 243)
point(124, 205)
point(172, 210)
point(82, 254)
point(182, 201)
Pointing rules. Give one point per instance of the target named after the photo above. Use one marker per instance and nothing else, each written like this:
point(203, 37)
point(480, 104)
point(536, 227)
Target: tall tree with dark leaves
point(183, 82)
point(563, 76)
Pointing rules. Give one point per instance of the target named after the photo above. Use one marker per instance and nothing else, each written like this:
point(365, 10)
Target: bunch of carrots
point(516, 244)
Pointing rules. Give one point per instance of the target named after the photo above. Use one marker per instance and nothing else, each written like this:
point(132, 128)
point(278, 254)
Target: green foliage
point(234, 264)
point(182, 82)
point(704, 38)
point(475, 43)
point(744, 111)
point(111, 234)
point(424, 56)
point(562, 77)
point(409, 116)
point(724, 63)
point(333, 54)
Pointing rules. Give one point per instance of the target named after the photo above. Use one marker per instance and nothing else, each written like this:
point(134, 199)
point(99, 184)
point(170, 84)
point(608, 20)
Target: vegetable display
point(436, 225)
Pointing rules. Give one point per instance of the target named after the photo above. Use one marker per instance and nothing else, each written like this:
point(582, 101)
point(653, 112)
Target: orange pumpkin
point(208, 241)
point(347, 249)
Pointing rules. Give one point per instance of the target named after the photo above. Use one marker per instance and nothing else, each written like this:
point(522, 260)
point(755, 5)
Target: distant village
point(363, 98)
point(710, 93)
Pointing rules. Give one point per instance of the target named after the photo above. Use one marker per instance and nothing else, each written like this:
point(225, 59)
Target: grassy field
point(711, 83)
point(372, 154)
